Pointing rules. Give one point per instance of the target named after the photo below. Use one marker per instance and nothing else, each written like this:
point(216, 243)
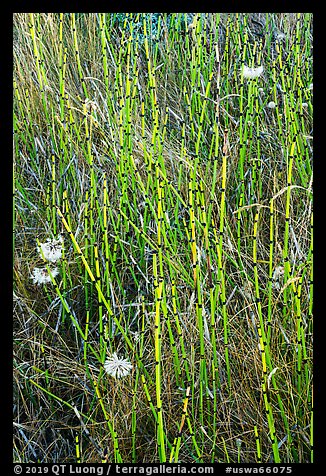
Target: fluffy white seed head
point(251, 73)
point(117, 367)
point(278, 277)
point(41, 275)
point(51, 249)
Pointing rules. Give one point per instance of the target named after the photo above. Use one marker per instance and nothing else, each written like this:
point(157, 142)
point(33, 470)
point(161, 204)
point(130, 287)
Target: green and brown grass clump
point(180, 182)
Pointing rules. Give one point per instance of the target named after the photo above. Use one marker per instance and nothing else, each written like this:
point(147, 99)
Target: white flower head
point(311, 87)
point(42, 276)
point(51, 249)
point(117, 367)
point(304, 104)
point(271, 105)
point(278, 277)
point(251, 73)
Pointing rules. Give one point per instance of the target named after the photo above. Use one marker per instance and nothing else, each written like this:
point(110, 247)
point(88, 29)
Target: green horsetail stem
point(270, 269)
point(86, 339)
point(110, 257)
point(62, 91)
point(185, 380)
point(135, 389)
point(286, 259)
point(100, 305)
point(105, 241)
point(134, 421)
point(262, 348)
point(301, 340)
point(77, 448)
point(257, 445)
point(65, 207)
point(278, 61)
point(152, 406)
point(220, 259)
point(311, 432)
point(39, 62)
point(257, 182)
point(54, 201)
point(47, 203)
point(62, 68)
point(159, 286)
point(177, 363)
point(77, 55)
point(311, 280)
point(86, 235)
point(116, 451)
point(193, 187)
point(66, 276)
point(242, 145)
point(104, 42)
point(196, 187)
point(148, 397)
point(174, 455)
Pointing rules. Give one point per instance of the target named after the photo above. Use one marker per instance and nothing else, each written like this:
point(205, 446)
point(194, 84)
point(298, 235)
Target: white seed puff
point(117, 367)
point(51, 249)
point(42, 276)
point(251, 73)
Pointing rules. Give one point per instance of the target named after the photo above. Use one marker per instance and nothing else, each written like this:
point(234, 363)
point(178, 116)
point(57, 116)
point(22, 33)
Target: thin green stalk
point(221, 274)
point(263, 343)
point(286, 259)
point(77, 54)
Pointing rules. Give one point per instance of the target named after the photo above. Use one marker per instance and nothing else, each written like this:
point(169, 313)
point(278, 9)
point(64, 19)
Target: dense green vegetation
point(170, 156)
